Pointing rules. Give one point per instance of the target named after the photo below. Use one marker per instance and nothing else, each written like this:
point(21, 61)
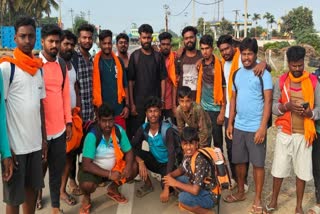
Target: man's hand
point(259, 68)
point(114, 175)
point(164, 195)
point(307, 113)
point(68, 132)
point(198, 63)
point(260, 135)
point(126, 171)
point(134, 110)
point(125, 112)
point(169, 180)
point(143, 172)
point(229, 131)
point(44, 151)
point(294, 107)
point(179, 52)
point(220, 118)
point(7, 169)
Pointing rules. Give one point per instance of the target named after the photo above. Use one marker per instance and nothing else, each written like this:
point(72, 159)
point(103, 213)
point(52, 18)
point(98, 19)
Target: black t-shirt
point(147, 74)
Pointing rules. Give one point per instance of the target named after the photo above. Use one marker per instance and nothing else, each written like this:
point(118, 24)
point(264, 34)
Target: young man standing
point(250, 109)
point(211, 89)
point(170, 100)
point(159, 154)
point(26, 127)
point(122, 44)
point(186, 63)
point(56, 107)
point(191, 114)
point(147, 75)
point(195, 191)
point(107, 155)
point(110, 80)
point(296, 103)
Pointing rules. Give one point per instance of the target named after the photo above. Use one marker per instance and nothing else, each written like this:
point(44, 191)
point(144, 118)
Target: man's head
point(50, 39)
point(153, 109)
point(184, 98)
point(295, 56)
point(25, 34)
point(249, 51)
point(189, 35)
point(206, 46)
point(122, 43)
point(105, 41)
point(165, 43)
point(68, 42)
point(225, 45)
point(85, 36)
point(189, 141)
point(105, 118)
point(145, 32)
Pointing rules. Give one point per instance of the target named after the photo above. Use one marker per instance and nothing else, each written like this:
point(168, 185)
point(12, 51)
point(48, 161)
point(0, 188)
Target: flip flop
point(270, 209)
point(117, 197)
point(39, 204)
point(85, 209)
point(143, 190)
point(314, 210)
point(76, 191)
point(71, 201)
point(232, 199)
point(257, 210)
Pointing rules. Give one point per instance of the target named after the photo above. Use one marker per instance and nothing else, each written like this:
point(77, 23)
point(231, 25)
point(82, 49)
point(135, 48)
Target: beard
point(165, 52)
point(190, 47)
point(66, 55)
point(146, 46)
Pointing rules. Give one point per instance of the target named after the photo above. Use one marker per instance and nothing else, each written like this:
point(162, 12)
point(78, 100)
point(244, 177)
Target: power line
point(211, 3)
point(178, 14)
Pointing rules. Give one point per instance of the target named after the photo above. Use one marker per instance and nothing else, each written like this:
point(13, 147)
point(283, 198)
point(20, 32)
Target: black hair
point(224, 39)
point(184, 91)
point(152, 102)
point(250, 44)
point(50, 29)
point(85, 27)
point(206, 40)
point(145, 28)
point(105, 110)
point(296, 53)
point(122, 36)
point(67, 34)
point(164, 35)
point(104, 34)
point(24, 21)
point(189, 28)
point(189, 134)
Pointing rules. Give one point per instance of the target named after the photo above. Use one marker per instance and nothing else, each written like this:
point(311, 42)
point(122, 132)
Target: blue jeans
point(203, 199)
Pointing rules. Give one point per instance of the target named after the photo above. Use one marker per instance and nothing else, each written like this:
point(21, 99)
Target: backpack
point(165, 125)
point(269, 124)
point(221, 181)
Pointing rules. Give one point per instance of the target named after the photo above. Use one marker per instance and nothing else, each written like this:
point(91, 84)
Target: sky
point(118, 15)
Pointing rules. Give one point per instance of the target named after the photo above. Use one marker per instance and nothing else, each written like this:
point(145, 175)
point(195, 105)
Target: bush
point(310, 39)
point(276, 45)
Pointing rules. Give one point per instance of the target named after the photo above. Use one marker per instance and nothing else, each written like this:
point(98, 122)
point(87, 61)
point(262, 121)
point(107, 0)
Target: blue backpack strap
point(164, 128)
point(13, 69)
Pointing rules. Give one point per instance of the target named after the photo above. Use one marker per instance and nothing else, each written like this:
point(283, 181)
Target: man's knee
point(88, 187)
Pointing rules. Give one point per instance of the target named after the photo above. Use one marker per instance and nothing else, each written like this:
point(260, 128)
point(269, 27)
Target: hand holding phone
point(305, 105)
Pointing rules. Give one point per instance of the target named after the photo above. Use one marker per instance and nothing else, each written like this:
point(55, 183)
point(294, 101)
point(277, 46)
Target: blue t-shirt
point(250, 102)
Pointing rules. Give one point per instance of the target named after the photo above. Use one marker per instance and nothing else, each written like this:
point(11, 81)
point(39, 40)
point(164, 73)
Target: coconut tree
point(255, 19)
point(270, 20)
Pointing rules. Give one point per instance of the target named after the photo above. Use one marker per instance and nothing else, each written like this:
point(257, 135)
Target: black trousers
point(135, 122)
point(316, 166)
point(216, 130)
point(56, 164)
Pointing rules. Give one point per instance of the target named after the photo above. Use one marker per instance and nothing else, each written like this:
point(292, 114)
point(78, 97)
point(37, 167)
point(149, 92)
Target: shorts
point(28, 173)
point(204, 198)
point(89, 177)
point(292, 150)
point(244, 149)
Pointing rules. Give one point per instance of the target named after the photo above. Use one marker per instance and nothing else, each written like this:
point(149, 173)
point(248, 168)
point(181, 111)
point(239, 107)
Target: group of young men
point(120, 111)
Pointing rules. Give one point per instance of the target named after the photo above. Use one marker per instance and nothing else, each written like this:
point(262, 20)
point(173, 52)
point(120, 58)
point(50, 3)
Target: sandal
point(39, 204)
point(257, 210)
point(71, 201)
point(117, 197)
point(314, 210)
point(76, 191)
point(231, 199)
point(271, 209)
point(143, 190)
point(85, 209)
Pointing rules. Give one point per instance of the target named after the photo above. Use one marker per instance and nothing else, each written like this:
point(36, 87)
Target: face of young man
point(106, 124)
point(248, 58)
point(185, 103)
point(106, 46)
point(189, 40)
point(66, 49)
point(145, 40)
point(153, 114)
point(165, 46)
point(122, 46)
point(206, 51)
point(227, 51)
point(296, 68)
point(51, 45)
point(189, 148)
point(85, 40)
point(25, 38)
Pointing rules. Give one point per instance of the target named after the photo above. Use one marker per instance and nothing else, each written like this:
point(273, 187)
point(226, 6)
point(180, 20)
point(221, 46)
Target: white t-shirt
point(72, 81)
point(23, 109)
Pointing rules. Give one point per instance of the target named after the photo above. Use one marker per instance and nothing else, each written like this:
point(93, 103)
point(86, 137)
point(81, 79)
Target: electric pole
point(245, 17)
point(60, 19)
point(71, 12)
point(193, 13)
point(166, 13)
point(89, 13)
point(236, 23)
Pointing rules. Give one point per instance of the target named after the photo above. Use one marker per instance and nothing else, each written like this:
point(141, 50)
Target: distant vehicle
point(134, 35)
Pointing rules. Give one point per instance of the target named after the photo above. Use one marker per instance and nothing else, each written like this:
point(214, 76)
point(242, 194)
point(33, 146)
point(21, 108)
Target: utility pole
point(71, 12)
point(236, 23)
point(245, 17)
point(89, 13)
point(60, 19)
point(193, 13)
point(218, 10)
point(166, 13)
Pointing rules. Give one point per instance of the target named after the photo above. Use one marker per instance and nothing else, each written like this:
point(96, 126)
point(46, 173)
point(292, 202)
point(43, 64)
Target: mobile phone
point(305, 105)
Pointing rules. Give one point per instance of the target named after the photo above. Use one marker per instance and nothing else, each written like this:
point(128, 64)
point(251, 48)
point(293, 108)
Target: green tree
point(255, 19)
point(225, 27)
point(297, 20)
point(269, 19)
point(48, 20)
point(171, 32)
point(78, 20)
point(307, 36)
point(204, 27)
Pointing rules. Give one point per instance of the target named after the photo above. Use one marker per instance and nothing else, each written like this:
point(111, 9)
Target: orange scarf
point(234, 67)
point(120, 163)
point(77, 131)
point(28, 64)
point(172, 69)
point(96, 83)
point(217, 83)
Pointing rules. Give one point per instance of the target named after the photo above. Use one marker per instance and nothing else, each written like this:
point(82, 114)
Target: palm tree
point(255, 18)
point(270, 19)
